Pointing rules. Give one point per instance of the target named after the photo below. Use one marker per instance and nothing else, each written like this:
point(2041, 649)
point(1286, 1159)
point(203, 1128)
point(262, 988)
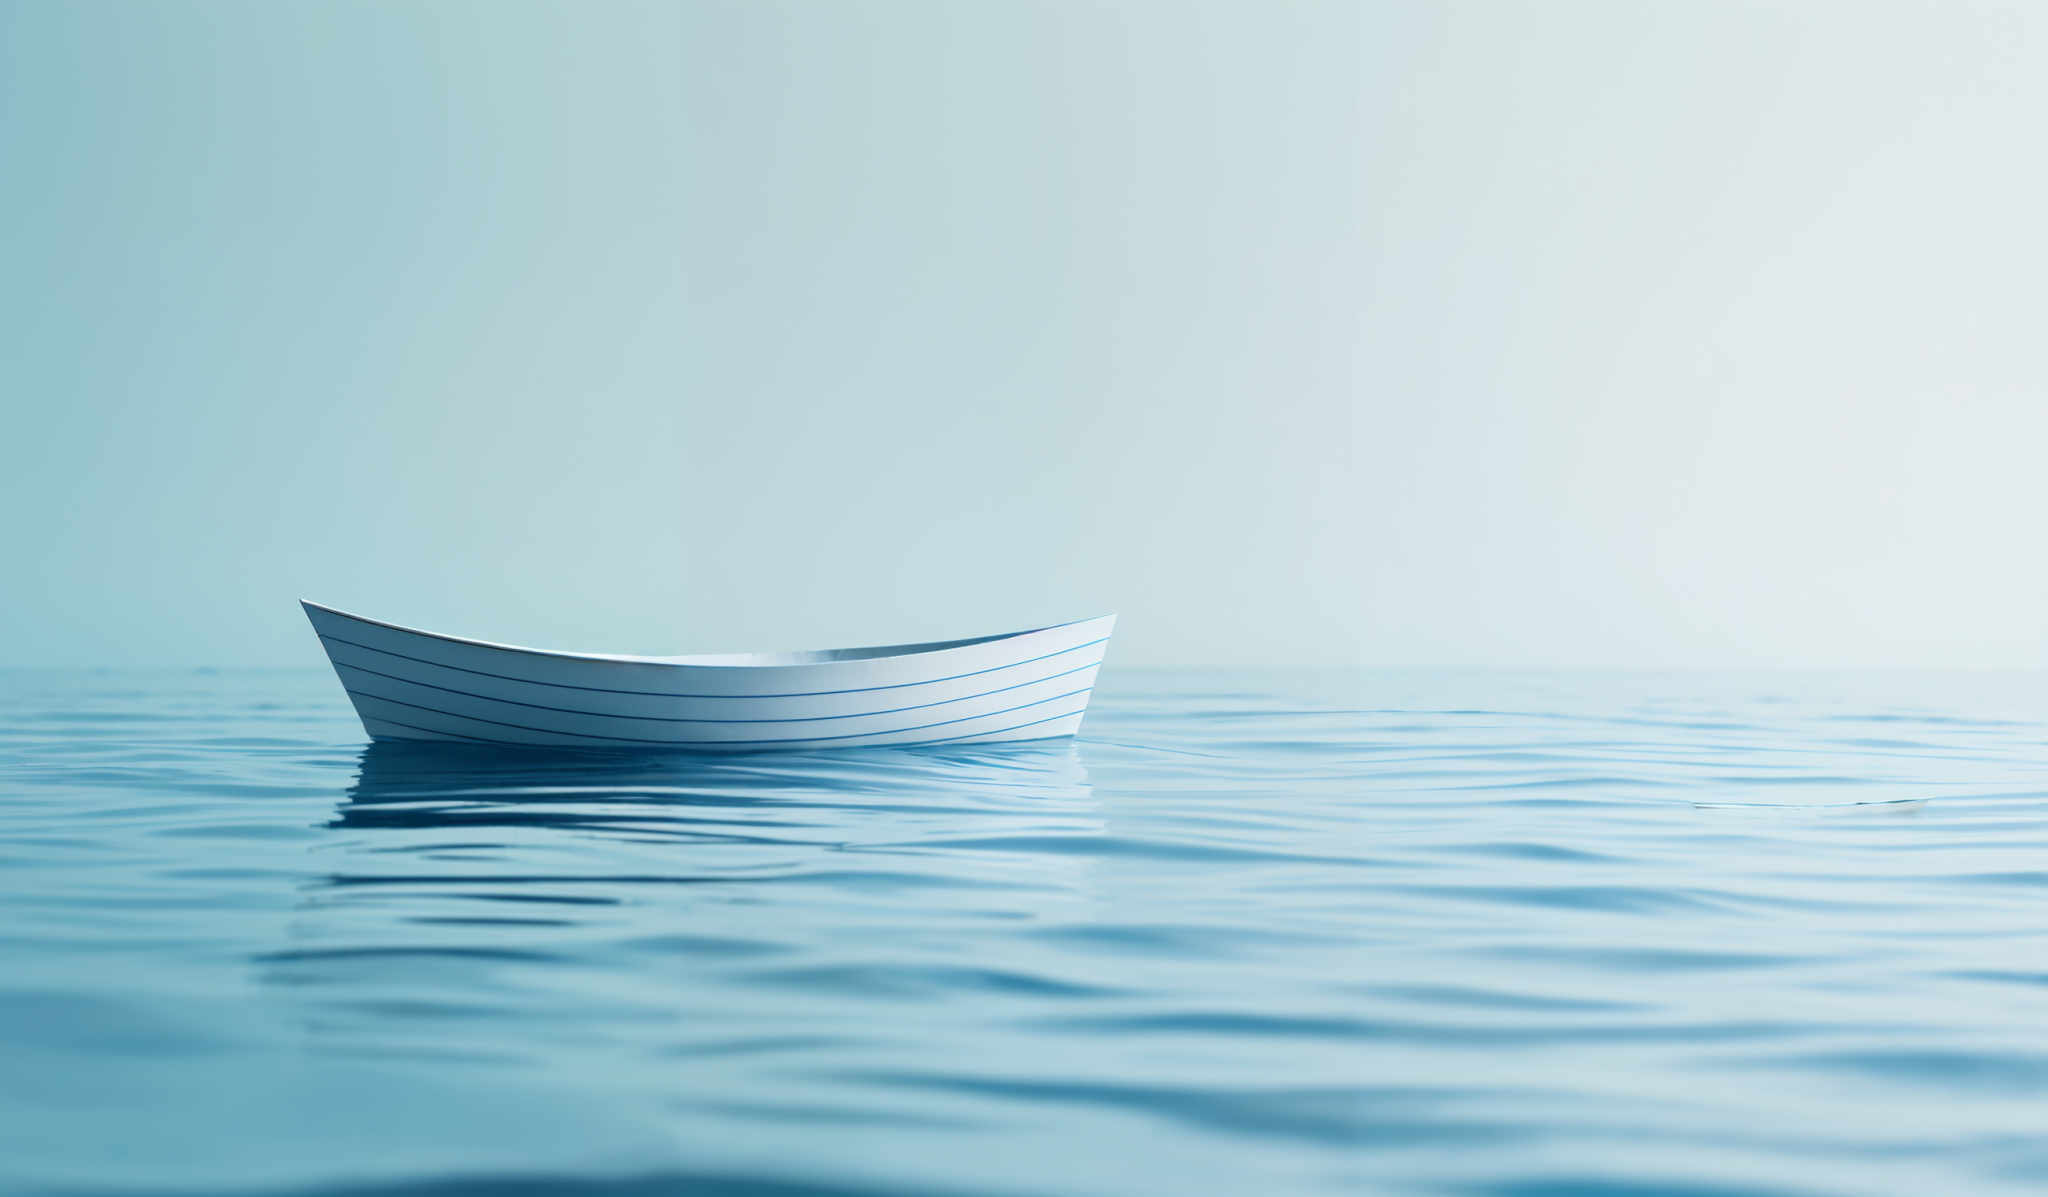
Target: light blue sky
point(1569, 333)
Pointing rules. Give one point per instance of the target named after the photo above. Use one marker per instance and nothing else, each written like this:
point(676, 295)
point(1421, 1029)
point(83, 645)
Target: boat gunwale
point(902, 651)
point(327, 641)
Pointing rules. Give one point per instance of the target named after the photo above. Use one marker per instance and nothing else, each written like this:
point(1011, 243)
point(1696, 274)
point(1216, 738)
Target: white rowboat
point(412, 685)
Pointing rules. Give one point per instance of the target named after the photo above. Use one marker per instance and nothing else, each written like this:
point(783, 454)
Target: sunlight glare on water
point(1260, 932)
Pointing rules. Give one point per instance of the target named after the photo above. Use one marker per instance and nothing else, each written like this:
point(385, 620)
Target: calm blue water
point(1257, 933)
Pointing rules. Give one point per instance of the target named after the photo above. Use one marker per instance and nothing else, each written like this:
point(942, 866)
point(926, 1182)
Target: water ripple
point(1258, 932)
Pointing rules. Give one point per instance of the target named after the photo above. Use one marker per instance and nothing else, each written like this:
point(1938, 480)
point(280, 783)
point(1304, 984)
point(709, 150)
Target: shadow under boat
point(423, 784)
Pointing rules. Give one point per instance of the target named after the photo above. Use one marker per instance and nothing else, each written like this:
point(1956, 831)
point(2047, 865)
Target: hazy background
point(1563, 333)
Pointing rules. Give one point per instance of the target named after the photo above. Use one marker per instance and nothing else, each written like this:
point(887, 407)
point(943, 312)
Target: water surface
point(1255, 933)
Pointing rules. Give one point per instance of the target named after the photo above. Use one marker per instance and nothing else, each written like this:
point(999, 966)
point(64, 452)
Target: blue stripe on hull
point(373, 723)
point(360, 694)
point(582, 711)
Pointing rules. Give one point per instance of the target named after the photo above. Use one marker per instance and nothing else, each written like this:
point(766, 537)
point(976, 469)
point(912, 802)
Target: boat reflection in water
point(488, 903)
point(422, 785)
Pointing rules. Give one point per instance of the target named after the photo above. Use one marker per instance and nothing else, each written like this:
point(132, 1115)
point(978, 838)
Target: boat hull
point(408, 684)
